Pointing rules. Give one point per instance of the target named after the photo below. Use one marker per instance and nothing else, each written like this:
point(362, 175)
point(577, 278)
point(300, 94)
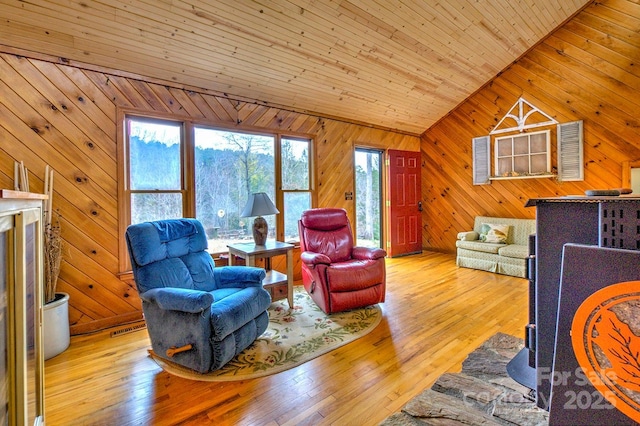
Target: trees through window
point(155, 170)
point(177, 169)
point(368, 197)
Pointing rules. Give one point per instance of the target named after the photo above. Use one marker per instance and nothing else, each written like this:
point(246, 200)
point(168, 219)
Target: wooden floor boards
point(434, 315)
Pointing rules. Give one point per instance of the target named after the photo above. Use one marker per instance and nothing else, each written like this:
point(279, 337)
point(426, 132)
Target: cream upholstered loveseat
point(509, 258)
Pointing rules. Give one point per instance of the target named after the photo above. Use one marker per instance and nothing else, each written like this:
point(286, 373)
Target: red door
point(404, 206)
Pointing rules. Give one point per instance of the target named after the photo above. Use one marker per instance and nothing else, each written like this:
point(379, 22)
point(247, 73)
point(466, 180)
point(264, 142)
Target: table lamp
point(259, 204)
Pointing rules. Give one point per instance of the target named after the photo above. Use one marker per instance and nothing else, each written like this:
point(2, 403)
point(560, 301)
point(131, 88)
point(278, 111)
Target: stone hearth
point(482, 394)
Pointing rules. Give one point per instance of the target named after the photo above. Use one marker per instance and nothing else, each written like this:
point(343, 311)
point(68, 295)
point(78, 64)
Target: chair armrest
point(363, 253)
point(311, 258)
point(238, 276)
point(468, 236)
point(179, 299)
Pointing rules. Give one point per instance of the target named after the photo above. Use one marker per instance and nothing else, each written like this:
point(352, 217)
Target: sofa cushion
point(468, 236)
point(514, 250)
point(520, 228)
point(494, 233)
point(479, 246)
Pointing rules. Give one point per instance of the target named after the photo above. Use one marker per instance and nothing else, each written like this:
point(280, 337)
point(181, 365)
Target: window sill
point(542, 176)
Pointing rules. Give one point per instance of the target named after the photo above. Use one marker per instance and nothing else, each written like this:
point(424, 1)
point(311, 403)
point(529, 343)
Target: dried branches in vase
point(52, 241)
point(52, 258)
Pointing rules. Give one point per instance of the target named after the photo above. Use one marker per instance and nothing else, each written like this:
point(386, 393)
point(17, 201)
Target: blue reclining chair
point(197, 315)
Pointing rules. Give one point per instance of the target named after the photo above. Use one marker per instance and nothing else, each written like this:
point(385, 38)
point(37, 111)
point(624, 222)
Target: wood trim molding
point(626, 172)
point(90, 327)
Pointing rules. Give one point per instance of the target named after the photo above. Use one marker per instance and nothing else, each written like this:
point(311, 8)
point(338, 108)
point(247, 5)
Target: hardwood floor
point(434, 315)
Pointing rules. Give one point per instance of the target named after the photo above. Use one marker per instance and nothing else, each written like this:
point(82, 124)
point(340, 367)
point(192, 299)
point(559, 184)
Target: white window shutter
point(570, 152)
point(481, 160)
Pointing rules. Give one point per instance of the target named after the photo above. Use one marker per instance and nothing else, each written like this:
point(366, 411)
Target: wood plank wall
point(63, 114)
point(586, 70)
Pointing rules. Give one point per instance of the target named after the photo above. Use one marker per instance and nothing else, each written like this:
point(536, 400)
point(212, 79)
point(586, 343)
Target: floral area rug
point(292, 338)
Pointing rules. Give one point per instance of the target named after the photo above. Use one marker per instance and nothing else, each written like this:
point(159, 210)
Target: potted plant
point(55, 322)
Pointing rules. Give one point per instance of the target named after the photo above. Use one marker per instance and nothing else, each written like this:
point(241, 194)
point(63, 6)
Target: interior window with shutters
point(524, 154)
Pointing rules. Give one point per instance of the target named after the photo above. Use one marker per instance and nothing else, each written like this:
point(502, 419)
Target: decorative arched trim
point(524, 111)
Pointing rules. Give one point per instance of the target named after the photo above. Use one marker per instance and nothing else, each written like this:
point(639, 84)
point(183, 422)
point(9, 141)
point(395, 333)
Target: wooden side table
point(276, 283)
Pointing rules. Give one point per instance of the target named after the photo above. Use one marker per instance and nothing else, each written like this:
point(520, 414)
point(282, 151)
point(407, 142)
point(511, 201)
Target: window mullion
point(530, 159)
point(278, 187)
point(188, 164)
point(513, 154)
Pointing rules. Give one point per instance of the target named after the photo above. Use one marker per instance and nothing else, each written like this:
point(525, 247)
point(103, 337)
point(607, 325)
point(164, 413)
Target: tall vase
point(55, 326)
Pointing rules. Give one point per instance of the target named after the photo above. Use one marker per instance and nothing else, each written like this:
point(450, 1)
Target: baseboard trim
point(103, 324)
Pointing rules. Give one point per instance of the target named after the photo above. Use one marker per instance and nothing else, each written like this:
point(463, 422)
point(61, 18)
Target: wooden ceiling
point(399, 64)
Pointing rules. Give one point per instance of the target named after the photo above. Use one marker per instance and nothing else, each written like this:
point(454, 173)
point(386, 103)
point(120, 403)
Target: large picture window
point(228, 167)
point(181, 169)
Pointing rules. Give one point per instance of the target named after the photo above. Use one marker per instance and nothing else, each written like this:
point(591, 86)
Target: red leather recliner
point(337, 275)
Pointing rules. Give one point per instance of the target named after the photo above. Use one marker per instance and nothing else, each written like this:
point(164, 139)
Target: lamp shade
point(259, 204)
